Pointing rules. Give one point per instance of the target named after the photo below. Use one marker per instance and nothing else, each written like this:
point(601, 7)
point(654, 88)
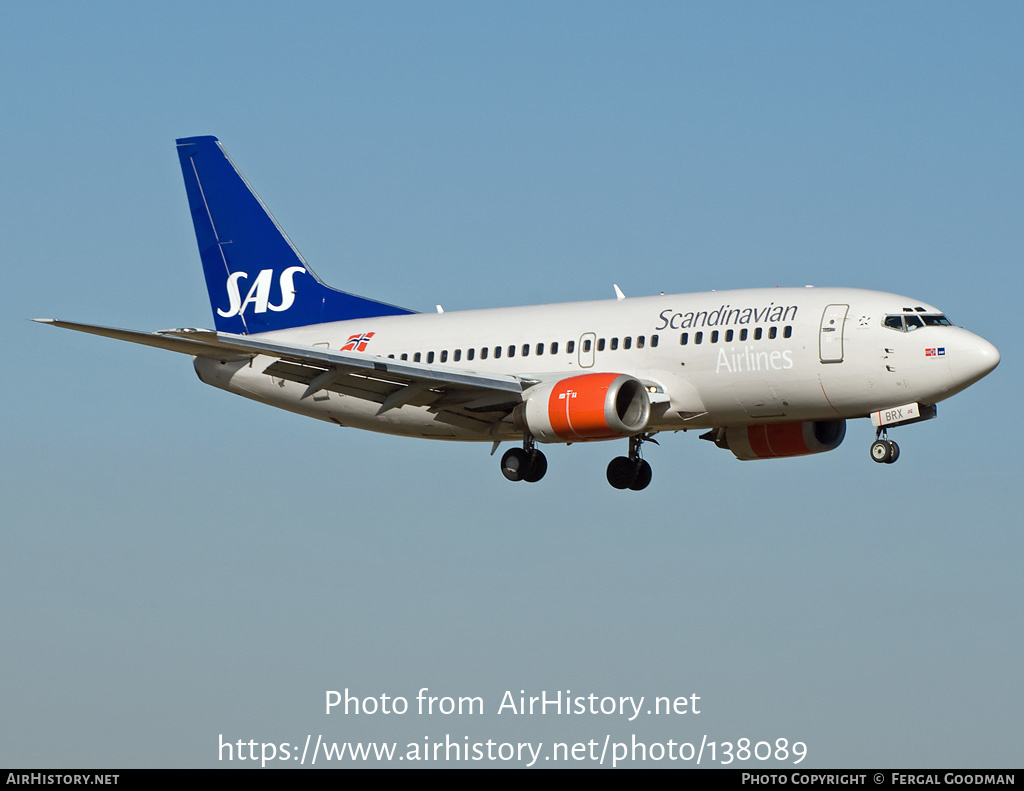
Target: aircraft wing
point(467, 398)
point(159, 340)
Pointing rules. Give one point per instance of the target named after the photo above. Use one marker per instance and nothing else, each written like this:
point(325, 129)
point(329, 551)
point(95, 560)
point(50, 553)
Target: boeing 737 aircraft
point(765, 373)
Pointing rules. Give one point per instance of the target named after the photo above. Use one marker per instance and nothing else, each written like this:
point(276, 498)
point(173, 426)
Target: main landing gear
point(625, 472)
point(631, 472)
point(525, 463)
point(884, 450)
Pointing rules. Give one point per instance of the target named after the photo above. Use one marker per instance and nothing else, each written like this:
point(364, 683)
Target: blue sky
point(179, 564)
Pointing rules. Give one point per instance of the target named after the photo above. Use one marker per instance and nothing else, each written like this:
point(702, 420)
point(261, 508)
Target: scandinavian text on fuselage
point(725, 316)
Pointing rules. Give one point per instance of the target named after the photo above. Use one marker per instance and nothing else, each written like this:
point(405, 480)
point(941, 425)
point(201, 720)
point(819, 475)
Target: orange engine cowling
point(779, 440)
point(585, 407)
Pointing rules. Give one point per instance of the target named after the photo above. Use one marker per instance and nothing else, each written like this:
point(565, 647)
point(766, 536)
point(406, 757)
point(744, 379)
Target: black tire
point(894, 452)
point(621, 472)
point(880, 451)
point(643, 476)
point(537, 467)
point(515, 464)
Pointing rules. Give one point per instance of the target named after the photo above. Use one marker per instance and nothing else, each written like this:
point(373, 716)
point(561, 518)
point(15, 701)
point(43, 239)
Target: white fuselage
point(715, 359)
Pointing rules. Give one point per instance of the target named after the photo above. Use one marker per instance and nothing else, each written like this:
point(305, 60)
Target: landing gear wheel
point(522, 464)
point(515, 464)
point(880, 451)
point(622, 472)
point(894, 452)
point(538, 465)
point(643, 476)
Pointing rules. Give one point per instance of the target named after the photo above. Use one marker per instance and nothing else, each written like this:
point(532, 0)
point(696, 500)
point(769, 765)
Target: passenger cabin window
point(511, 351)
point(430, 357)
point(458, 355)
point(570, 347)
point(654, 341)
point(615, 344)
point(743, 334)
point(497, 352)
point(444, 356)
point(698, 337)
point(627, 342)
point(787, 333)
point(586, 345)
point(483, 353)
point(757, 333)
point(639, 341)
point(714, 336)
point(416, 357)
point(684, 339)
point(554, 347)
point(728, 336)
point(600, 344)
point(540, 348)
point(773, 332)
point(470, 354)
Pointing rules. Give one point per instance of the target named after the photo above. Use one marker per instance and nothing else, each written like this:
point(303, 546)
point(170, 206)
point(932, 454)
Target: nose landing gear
point(884, 450)
point(631, 472)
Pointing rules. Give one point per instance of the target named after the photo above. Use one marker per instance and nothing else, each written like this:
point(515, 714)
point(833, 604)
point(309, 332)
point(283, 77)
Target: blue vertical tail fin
point(256, 279)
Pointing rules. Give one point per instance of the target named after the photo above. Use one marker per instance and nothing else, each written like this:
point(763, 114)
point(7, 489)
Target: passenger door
point(830, 337)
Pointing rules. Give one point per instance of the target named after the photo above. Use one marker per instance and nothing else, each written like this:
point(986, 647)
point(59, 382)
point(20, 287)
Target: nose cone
point(977, 359)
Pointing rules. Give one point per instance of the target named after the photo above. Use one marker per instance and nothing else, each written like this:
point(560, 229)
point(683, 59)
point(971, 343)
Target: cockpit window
point(908, 322)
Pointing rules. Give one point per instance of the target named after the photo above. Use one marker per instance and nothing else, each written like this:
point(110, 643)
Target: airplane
point(765, 373)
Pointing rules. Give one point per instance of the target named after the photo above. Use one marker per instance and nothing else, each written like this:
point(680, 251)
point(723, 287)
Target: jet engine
point(779, 440)
point(585, 407)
